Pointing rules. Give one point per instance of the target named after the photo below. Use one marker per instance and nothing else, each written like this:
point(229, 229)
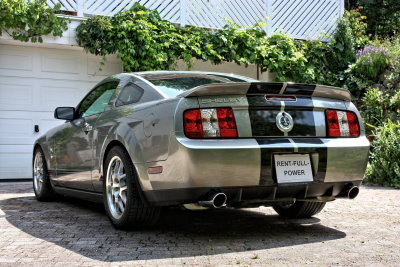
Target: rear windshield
point(175, 84)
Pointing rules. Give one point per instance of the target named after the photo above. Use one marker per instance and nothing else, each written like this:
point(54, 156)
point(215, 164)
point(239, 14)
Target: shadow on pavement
point(83, 228)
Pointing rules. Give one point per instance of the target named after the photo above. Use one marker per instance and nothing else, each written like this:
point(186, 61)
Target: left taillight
point(342, 123)
point(210, 123)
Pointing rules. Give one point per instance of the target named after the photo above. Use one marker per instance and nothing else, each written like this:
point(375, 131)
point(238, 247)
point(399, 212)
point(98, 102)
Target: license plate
point(293, 168)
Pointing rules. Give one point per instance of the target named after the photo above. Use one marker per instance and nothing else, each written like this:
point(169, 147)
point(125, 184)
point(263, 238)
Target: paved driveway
point(363, 231)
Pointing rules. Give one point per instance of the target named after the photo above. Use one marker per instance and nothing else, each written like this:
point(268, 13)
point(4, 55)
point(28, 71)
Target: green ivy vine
point(29, 20)
point(143, 41)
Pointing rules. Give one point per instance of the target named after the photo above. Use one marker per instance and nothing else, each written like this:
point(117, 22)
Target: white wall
point(33, 82)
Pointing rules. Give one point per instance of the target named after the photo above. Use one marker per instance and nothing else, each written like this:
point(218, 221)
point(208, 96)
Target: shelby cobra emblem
point(284, 121)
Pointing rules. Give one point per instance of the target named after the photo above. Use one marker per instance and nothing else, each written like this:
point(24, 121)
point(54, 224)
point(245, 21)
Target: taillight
point(209, 123)
point(226, 122)
point(192, 123)
point(342, 123)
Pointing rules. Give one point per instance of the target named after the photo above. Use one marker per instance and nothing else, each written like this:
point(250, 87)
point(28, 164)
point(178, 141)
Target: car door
point(73, 144)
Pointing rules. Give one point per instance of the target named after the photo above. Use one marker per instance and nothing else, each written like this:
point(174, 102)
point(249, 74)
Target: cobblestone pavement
point(364, 231)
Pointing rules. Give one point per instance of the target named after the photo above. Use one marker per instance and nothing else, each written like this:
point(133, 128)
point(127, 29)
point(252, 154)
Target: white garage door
point(33, 82)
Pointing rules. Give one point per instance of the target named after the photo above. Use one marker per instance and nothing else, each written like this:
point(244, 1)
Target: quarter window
point(131, 93)
point(97, 100)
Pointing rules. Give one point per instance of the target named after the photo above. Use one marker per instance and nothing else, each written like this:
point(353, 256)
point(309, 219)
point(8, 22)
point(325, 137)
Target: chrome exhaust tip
point(217, 200)
point(352, 192)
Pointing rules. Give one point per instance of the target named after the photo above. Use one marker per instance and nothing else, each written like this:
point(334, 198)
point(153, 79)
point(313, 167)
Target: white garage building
point(33, 82)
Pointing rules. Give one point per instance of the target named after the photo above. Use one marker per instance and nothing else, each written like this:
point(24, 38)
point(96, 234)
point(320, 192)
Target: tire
point(41, 179)
point(300, 209)
point(122, 196)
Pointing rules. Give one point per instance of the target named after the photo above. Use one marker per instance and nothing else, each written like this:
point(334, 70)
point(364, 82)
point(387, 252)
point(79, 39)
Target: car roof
point(170, 74)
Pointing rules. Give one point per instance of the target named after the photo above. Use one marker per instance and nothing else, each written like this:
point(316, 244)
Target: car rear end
point(262, 143)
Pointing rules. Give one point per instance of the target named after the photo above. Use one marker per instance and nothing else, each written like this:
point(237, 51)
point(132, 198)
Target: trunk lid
point(258, 114)
point(269, 88)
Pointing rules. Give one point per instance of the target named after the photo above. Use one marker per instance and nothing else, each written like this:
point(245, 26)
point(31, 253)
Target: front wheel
point(41, 179)
point(300, 209)
point(122, 200)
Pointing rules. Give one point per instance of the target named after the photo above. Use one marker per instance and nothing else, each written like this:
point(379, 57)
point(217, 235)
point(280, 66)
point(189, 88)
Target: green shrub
point(96, 35)
point(382, 17)
point(280, 55)
point(371, 62)
point(233, 43)
point(373, 108)
point(392, 45)
point(378, 106)
point(395, 102)
point(384, 168)
point(317, 68)
point(30, 20)
point(342, 52)
point(358, 26)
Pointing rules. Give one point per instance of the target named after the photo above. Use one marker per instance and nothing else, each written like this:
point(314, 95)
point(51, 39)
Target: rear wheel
point(122, 200)
point(300, 209)
point(41, 180)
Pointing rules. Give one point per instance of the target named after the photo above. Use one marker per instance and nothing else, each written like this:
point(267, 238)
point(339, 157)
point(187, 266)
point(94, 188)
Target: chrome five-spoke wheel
point(41, 179)
point(121, 189)
point(116, 187)
point(38, 172)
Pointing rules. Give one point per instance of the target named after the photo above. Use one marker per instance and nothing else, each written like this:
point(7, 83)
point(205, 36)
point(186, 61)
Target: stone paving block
point(71, 232)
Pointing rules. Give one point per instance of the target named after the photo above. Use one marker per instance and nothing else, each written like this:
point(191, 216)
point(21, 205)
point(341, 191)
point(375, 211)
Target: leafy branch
point(30, 20)
point(143, 41)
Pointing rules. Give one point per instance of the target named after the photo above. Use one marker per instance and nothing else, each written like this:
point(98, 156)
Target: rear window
point(175, 84)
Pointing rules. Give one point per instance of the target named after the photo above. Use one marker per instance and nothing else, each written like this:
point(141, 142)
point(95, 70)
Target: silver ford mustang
point(142, 141)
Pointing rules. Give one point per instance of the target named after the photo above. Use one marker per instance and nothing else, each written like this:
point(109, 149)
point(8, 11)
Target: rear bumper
point(250, 196)
point(195, 167)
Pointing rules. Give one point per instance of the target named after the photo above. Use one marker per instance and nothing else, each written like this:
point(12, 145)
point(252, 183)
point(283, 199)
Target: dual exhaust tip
point(217, 200)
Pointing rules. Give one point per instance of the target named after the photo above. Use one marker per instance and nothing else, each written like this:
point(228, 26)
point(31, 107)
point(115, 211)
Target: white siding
point(33, 82)
point(302, 19)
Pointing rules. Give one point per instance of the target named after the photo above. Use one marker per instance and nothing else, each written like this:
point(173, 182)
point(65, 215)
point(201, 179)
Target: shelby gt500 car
point(146, 140)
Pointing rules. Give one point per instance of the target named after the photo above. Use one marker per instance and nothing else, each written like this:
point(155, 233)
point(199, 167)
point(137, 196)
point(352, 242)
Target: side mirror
point(65, 113)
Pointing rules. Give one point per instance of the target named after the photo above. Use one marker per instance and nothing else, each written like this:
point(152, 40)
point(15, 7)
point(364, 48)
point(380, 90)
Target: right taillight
point(342, 123)
point(210, 123)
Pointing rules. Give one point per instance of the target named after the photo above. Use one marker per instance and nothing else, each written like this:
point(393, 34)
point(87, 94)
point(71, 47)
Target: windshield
point(173, 84)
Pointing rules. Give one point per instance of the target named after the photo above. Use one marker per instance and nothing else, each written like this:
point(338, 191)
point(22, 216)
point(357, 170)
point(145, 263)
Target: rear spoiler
point(269, 88)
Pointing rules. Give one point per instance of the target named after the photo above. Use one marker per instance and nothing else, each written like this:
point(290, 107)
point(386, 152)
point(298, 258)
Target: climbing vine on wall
point(30, 20)
point(143, 41)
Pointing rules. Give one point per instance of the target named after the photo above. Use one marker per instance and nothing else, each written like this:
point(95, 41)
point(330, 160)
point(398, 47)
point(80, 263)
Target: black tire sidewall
point(130, 176)
point(46, 191)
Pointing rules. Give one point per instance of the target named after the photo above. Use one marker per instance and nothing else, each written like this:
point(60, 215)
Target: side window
point(98, 99)
point(131, 93)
